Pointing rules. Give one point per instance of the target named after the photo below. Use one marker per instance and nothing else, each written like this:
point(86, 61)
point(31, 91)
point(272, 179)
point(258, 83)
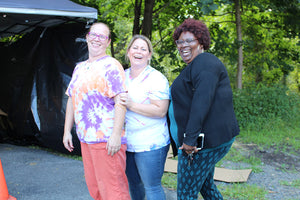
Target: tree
point(137, 16)
point(262, 22)
point(255, 39)
point(147, 22)
point(146, 27)
point(238, 23)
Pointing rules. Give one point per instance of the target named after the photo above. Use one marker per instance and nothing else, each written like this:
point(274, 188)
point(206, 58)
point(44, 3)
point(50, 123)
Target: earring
point(200, 50)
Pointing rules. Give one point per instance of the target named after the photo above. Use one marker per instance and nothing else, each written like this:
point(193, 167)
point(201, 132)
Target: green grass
point(169, 180)
point(285, 135)
point(294, 183)
point(235, 155)
point(242, 191)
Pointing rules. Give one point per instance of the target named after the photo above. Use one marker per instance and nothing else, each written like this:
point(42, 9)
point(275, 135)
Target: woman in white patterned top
point(146, 126)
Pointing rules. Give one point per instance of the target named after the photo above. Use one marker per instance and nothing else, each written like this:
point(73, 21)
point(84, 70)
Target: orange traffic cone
point(3, 187)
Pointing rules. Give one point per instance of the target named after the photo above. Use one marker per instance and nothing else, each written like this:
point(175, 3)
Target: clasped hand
point(189, 149)
point(125, 100)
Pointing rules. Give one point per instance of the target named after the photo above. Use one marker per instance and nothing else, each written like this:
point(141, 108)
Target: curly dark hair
point(198, 28)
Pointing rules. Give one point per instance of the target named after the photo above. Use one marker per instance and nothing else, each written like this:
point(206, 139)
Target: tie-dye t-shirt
point(92, 88)
point(146, 133)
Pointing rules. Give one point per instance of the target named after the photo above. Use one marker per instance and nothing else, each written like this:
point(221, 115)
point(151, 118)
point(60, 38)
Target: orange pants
point(105, 174)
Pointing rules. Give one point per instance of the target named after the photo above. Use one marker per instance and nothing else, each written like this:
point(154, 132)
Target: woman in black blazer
point(201, 104)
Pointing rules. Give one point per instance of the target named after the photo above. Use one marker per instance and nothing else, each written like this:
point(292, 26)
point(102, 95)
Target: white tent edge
point(20, 16)
point(92, 15)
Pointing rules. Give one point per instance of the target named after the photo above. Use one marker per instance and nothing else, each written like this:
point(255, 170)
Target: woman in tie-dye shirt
point(147, 132)
point(93, 92)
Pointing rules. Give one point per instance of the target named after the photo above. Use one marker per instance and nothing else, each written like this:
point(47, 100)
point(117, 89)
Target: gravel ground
point(277, 168)
point(271, 179)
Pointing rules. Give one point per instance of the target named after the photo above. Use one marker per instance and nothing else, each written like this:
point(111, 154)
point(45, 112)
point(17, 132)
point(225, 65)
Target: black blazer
point(202, 102)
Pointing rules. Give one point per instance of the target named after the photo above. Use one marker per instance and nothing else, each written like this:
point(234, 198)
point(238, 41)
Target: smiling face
point(189, 47)
point(139, 54)
point(96, 45)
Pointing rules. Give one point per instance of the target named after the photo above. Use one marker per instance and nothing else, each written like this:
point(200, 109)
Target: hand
point(125, 100)
point(67, 140)
point(113, 144)
point(189, 149)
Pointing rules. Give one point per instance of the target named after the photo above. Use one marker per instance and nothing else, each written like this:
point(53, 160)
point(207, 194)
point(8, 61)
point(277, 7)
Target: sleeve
point(159, 87)
point(205, 81)
point(71, 84)
point(115, 77)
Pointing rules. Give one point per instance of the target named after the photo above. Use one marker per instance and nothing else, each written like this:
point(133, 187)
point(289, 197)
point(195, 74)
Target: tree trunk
point(137, 14)
point(112, 50)
point(240, 43)
point(147, 22)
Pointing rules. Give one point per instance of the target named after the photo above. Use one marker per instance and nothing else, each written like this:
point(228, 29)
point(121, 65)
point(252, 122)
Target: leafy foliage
point(270, 30)
point(262, 102)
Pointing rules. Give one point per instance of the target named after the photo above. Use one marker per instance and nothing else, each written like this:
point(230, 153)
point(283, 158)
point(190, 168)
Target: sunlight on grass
point(284, 134)
point(169, 180)
point(294, 183)
point(236, 156)
point(242, 192)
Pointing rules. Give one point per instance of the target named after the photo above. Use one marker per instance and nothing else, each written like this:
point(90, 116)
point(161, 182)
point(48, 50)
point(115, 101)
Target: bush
point(265, 103)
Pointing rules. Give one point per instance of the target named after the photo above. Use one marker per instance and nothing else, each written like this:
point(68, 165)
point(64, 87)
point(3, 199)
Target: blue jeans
point(144, 171)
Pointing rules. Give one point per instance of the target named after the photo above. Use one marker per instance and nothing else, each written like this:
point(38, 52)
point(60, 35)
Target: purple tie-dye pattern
point(115, 80)
point(75, 77)
point(94, 107)
point(102, 58)
point(91, 108)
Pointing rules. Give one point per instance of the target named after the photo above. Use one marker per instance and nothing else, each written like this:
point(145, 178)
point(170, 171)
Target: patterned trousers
point(198, 175)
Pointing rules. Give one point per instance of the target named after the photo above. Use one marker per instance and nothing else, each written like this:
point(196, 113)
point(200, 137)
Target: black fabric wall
point(42, 61)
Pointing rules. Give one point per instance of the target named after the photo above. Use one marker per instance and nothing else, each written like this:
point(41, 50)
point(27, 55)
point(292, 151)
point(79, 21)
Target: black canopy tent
point(36, 69)
point(23, 16)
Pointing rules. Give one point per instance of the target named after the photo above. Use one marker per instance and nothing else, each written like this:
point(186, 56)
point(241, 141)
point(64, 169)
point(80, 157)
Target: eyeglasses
point(181, 42)
point(100, 36)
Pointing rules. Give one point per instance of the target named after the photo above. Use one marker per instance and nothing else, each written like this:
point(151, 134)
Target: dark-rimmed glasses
point(181, 42)
point(99, 36)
